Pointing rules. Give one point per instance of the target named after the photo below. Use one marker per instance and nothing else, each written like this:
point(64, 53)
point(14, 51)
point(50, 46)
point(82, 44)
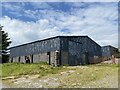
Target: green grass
point(108, 65)
point(83, 76)
point(17, 69)
point(0, 70)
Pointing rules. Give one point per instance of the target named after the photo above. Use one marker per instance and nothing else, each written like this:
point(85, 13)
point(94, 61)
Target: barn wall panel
point(43, 57)
point(15, 59)
point(36, 48)
point(52, 58)
point(36, 58)
point(64, 57)
point(22, 59)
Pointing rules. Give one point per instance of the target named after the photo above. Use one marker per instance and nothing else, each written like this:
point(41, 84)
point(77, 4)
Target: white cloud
point(21, 32)
point(97, 21)
point(41, 5)
point(60, 1)
point(13, 6)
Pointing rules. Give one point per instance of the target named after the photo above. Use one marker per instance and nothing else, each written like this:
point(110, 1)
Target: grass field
point(17, 69)
point(88, 76)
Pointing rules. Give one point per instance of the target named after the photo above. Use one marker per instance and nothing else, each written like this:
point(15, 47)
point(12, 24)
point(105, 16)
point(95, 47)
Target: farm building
point(59, 50)
point(108, 51)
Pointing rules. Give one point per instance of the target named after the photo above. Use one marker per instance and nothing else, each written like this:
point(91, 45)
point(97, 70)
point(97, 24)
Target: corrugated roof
point(108, 46)
point(47, 39)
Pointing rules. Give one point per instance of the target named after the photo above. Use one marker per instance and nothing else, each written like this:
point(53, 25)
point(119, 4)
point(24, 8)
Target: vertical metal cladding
point(36, 51)
point(73, 50)
point(74, 53)
point(79, 50)
point(35, 47)
point(108, 51)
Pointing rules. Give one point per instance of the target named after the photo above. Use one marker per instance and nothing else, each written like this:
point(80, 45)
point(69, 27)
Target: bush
point(5, 58)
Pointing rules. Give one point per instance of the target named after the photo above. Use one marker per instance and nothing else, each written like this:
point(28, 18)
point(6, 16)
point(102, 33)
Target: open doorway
point(31, 58)
point(48, 55)
point(19, 59)
point(11, 59)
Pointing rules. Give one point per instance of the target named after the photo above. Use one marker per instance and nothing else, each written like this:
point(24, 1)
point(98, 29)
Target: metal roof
point(49, 39)
point(109, 46)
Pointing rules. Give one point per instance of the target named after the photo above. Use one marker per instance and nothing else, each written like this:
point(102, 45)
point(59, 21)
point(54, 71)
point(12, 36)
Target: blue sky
point(31, 21)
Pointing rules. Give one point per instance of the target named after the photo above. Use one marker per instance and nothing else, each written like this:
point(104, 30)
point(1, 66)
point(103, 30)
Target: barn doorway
point(19, 59)
point(31, 58)
point(11, 59)
point(48, 55)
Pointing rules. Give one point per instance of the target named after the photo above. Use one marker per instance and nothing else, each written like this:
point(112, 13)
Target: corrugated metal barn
point(108, 51)
point(59, 50)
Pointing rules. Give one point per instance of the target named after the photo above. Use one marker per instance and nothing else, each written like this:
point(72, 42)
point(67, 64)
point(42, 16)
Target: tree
point(4, 43)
